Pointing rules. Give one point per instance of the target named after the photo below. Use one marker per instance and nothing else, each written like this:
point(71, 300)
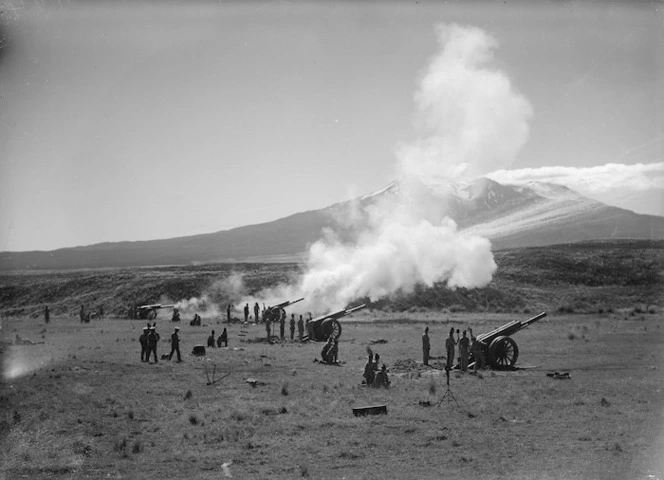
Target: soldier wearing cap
point(175, 344)
point(153, 338)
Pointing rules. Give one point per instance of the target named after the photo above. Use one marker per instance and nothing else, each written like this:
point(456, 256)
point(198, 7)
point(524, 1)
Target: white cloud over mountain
point(639, 187)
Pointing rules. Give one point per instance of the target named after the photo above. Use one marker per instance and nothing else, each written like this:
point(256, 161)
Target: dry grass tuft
point(284, 389)
point(193, 419)
point(188, 395)
point(138, 446)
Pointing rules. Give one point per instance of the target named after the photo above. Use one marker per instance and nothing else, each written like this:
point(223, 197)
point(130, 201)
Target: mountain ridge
point(511, 216)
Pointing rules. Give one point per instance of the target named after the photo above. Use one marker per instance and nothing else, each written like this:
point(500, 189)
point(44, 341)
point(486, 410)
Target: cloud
point(590, 180)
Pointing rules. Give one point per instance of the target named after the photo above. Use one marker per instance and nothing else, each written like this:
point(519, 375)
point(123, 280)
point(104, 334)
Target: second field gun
point(500, 351)
point(149, 312)
point(276, 313)
point(325, 326)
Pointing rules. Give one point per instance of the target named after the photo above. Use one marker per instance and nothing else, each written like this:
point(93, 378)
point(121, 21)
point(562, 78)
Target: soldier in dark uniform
point(257, 310)
point(153, 338)
point(325, 353)
point(246, 312)
point(211, 342)
point(381, 378)
point(82, 314)
point(175, 344)
point(282, 327)
point(176, 315)
point(369, 371)
point(223, 338)
point(292, 326)
point(449, 347)
point(300, 328)
point(228, 313)
point(426, 346)
point(464, 351)
point(47, 314)
point(144, 344)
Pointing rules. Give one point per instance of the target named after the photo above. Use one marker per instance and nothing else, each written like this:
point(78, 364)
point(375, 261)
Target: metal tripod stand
point(448, 393)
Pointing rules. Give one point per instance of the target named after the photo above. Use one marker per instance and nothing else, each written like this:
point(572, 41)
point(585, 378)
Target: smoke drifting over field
point(471, 122)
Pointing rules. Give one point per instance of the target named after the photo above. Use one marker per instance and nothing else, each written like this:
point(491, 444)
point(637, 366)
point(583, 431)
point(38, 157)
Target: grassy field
point(82, 405)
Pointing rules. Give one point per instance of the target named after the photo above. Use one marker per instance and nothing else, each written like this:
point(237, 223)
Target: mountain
point(536, 214)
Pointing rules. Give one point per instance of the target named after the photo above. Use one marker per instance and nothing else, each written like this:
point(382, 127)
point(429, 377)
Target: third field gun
point(149, 312)
point(277, 313)
point(499, 349)
point(321, 328)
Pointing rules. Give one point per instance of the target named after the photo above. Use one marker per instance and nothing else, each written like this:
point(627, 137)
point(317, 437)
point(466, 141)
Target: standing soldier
point(282, 327)
point(300, 328)
point(101, 312)
point(292, 326)
point(369, 371)
point(143, 339)
point(82, 313)
point(246, 313)
point(464, 350)
point(449, 347)
point(257, 310)
point(268, 327)
point(476, 350)
point(426, 347)
point(175, 344)
point(176, 315)
point(228, 313)
point(211, 340)
point(47, 314)
point(153, 338)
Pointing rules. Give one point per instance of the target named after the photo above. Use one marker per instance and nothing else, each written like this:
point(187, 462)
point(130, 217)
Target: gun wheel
point(503, 353)
point(335, 329)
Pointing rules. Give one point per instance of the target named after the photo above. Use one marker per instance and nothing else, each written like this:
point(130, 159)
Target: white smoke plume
point(213, 301)
point(471, 121)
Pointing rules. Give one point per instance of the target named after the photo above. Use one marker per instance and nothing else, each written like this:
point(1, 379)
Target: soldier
point(334, 353)
point(143, 339)
point(228, 313)
point(101, 312)
point(282, 327)
point(176, 315)
point(464, 350)
point(369, 371)
point(268, 328)
point(211, 342)
point(223, 338)
point(47, 314)
point(257, 310)
point(381, 378)
point(175, 344)
point(325, 353)
point(153, 338)
point(376, 363)
point(82, 314)
point(292, 326)
point(300, 328)
point(246, 313)
point(426, 347)
point(449, 347)
point(476, 350)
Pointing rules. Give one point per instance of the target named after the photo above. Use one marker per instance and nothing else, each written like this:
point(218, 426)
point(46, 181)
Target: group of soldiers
point(467, 346)
point(221, 340)
point(149, 339)
point(375, 376)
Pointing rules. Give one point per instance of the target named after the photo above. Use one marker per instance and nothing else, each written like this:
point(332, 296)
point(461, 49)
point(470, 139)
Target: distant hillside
point(510, 216)
point(575, 278)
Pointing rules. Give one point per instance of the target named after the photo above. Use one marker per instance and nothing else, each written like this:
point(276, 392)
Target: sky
point(143, 120)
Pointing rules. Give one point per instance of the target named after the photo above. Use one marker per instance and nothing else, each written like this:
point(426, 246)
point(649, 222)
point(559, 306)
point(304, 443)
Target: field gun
point(149, 312)
point(499, 349)
point(325, 326)
point(277, 312)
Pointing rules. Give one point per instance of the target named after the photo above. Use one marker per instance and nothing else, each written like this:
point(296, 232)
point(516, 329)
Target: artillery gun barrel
point(287, 303)
point(534, 319)
point(155, 306)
